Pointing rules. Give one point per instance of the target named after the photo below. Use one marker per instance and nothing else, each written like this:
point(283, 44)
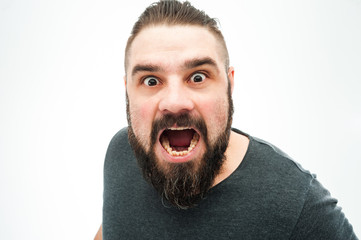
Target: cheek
point(141, 116)
point(215, 113)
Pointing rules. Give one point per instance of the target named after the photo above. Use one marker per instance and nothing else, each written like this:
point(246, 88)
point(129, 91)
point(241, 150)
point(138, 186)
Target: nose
point(176, 99)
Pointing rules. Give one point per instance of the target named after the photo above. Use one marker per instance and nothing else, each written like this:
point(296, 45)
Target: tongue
point(180, 138)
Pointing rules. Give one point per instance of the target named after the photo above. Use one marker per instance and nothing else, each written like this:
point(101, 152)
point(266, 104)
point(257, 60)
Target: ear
point(231, 77)
point(125, 81)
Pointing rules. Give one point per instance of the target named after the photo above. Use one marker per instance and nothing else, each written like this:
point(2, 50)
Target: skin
point(99, 235)
point(167, 49)
point(163, 52)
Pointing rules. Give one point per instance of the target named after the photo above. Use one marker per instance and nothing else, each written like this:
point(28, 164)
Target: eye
point(198, 77)
point(151, 81)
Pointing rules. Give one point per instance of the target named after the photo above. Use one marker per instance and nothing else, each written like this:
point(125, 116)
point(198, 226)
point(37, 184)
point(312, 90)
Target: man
point(179, 171)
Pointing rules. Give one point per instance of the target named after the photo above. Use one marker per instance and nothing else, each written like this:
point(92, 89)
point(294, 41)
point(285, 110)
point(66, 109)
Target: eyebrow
point(189, 64)
point(145, 68)
point(196, 62)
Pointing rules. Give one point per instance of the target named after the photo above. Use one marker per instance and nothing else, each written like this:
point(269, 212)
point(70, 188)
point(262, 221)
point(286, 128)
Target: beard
point(182, 184)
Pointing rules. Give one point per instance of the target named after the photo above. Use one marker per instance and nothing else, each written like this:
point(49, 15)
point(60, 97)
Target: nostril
point(176, 104)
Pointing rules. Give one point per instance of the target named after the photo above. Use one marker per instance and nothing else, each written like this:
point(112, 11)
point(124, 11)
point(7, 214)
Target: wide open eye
point(151, 81)
point(198, 77)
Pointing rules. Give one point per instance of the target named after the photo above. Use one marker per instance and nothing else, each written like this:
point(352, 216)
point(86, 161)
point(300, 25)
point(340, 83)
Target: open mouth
point(179, 141)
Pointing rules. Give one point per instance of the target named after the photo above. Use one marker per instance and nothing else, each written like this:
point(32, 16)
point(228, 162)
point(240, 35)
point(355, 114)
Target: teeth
point(179, 128)
point(173, 152)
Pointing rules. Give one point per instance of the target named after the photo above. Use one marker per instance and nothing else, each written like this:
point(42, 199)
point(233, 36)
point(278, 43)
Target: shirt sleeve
point(321, 218)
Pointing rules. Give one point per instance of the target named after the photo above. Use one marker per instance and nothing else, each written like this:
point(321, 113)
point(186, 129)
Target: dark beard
point(182, 184)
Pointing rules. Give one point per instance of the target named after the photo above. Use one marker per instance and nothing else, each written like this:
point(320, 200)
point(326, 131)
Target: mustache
point(181, 120)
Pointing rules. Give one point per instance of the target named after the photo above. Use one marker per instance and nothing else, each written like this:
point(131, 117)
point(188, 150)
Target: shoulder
point(321, 217)
point(275, 166)
point(119, 152)
point(119, 143)
point(299, 193)
point(119, 139)
point(272, 178)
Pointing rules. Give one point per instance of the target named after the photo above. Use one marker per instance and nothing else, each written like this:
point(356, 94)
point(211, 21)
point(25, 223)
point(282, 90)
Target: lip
point(178, 159)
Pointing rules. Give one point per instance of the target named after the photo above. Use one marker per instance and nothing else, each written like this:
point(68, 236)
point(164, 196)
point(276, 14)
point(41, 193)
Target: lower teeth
point(173, 152)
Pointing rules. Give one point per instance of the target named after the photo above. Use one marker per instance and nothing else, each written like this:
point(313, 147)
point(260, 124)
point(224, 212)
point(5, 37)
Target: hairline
point(219, 38)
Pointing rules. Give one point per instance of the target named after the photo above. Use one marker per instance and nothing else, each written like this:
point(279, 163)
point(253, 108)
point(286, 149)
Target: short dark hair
point(173, 12)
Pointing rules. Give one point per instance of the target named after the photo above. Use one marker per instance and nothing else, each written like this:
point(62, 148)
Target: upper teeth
point(179, 128)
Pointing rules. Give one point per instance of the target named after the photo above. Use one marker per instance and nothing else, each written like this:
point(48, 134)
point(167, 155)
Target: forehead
point(171, 46)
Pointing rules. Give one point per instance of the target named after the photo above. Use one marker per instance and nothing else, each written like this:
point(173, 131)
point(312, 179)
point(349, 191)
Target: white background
point(298, 73)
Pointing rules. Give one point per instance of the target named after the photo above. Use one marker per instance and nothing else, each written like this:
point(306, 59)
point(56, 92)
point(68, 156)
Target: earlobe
point(231, 77)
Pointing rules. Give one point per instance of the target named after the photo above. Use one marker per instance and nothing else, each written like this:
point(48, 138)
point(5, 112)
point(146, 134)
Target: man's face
point(179, 107)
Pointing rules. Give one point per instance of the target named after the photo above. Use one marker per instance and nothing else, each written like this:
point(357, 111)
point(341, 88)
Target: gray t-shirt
point(269, 196)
